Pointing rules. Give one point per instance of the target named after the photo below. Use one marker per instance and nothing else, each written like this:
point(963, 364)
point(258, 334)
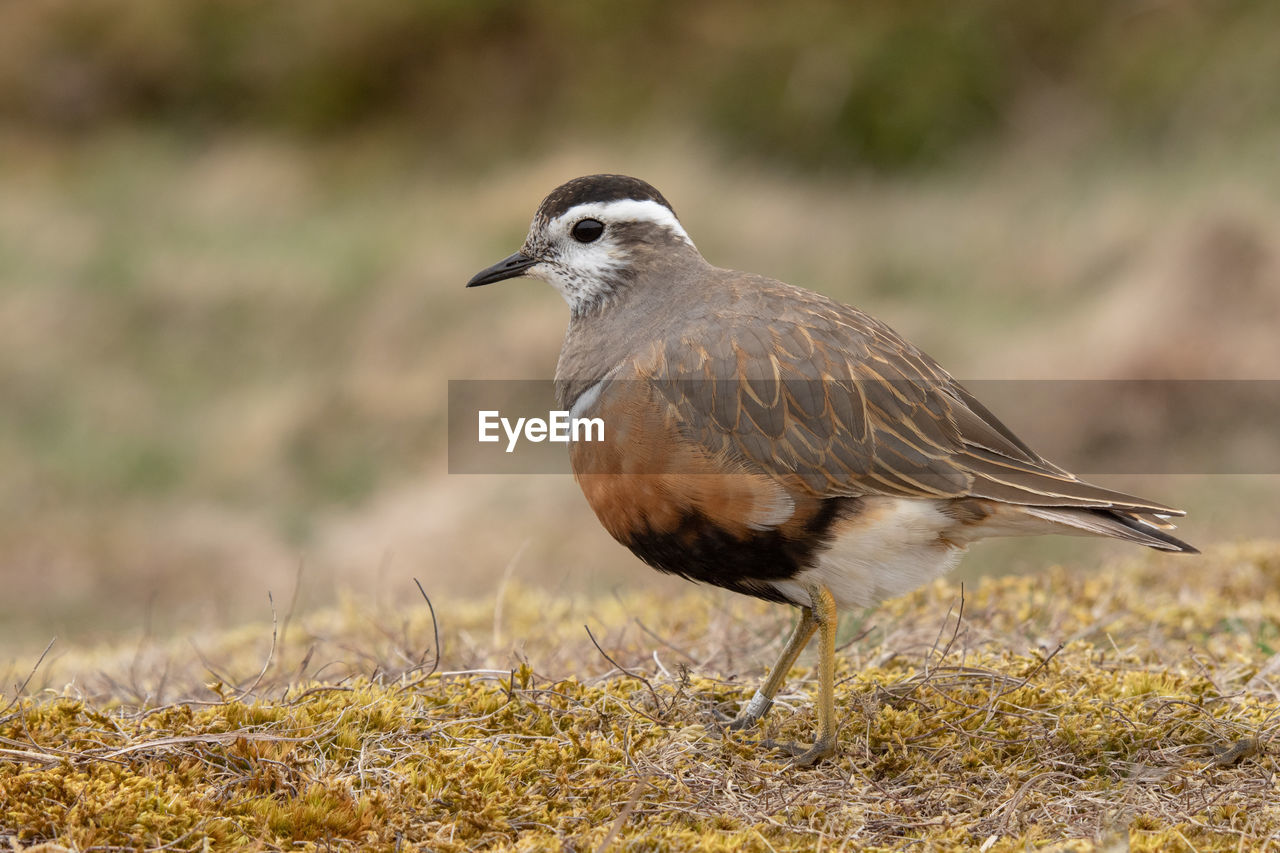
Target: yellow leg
point(760, 703)
point(824, 613)
point(819, 616)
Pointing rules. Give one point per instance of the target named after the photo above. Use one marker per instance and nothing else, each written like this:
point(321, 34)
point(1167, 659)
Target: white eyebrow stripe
point(624, 210)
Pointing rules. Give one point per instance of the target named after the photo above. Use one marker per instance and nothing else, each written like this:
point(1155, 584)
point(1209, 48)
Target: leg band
point(758, 706)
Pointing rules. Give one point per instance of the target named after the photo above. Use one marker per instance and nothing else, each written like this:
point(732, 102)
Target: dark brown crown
point(598, 188)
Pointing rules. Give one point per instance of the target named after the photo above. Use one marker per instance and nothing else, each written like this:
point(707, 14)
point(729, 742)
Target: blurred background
point(233, 239)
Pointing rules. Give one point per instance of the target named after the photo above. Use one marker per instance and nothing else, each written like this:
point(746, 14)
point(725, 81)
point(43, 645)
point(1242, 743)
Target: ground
point(1132, 704)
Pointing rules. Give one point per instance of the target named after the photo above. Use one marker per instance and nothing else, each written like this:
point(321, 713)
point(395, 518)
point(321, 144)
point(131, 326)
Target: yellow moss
point(952, 735)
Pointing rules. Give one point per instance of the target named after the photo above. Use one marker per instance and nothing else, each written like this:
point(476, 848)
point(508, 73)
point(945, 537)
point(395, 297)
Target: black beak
point(509, 267)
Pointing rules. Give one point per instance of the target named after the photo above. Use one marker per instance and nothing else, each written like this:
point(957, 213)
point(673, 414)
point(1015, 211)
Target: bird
point(770, 440)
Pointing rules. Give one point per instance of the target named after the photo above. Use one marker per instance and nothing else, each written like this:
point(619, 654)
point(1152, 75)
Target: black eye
point(587, 230)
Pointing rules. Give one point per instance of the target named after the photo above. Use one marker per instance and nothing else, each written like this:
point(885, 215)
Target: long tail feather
point(1132, 527)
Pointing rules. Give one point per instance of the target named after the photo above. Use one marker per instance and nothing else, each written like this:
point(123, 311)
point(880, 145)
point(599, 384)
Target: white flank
point(895, 553)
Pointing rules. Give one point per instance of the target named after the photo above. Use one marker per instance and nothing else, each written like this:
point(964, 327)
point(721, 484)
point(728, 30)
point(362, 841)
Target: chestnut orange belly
point(688, 511)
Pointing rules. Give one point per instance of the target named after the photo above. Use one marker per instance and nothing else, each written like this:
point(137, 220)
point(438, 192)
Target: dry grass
point(1135, 705)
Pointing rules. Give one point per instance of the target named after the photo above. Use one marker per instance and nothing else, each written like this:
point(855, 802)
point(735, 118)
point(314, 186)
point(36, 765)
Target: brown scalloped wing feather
point(648, 477)
point(799, 387)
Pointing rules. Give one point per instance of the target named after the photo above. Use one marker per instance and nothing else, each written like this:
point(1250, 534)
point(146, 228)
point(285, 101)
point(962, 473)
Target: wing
point(835, 403)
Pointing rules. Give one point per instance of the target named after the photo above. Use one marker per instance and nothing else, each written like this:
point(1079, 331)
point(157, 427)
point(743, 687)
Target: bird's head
point(592, 237)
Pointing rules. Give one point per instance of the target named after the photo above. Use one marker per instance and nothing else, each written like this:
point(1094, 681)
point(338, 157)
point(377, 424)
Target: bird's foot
point(734, 724)
point(803, 756)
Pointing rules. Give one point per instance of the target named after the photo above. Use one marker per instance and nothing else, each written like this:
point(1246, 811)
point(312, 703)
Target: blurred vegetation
point(233, 237)
point(888, 84)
